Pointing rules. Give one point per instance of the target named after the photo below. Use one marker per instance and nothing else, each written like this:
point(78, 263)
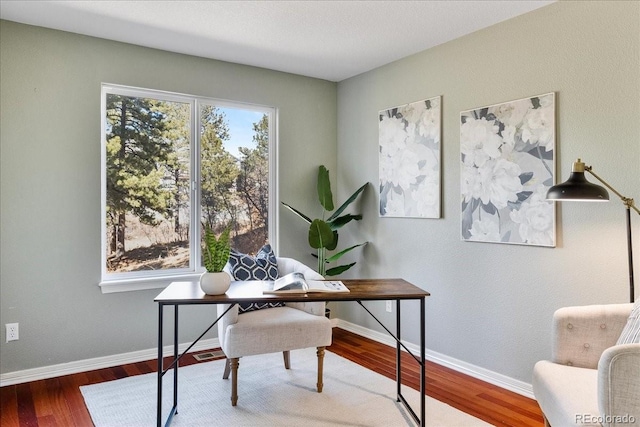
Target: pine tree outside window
point(172, 163)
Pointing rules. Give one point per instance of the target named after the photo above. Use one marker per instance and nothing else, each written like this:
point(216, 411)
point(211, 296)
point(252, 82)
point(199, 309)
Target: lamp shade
point(577, 188)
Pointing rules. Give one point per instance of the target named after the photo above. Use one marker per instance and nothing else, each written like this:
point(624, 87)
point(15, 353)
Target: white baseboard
point(78, 366)
point(483, 374)
point(45, 372)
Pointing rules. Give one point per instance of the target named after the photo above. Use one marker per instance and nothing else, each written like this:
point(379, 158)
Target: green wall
point(491, 304)
point(50, 183)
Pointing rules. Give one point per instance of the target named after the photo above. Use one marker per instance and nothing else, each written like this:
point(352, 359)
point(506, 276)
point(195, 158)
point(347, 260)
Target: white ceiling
point(331, 40)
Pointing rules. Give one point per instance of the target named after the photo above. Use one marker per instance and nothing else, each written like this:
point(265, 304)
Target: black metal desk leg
point(423, 390)
point(160, 367)
point(175, 358)
point(398, 353)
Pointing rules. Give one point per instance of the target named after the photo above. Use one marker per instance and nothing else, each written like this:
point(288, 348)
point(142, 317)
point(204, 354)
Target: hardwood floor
point(58, 402)
point(488, 402)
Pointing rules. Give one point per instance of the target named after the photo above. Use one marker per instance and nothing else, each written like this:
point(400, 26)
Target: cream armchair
point(590, 381)
point(272, 330)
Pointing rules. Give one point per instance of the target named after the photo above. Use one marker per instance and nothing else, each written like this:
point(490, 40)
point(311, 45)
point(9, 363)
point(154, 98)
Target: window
point(170, 164)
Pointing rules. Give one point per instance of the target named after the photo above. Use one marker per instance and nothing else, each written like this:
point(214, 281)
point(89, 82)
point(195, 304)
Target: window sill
point(128, 285)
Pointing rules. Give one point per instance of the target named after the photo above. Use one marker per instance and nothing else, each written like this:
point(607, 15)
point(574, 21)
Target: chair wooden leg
point(320, 354)
point(227, 369)
point(287, 361)
point(234, 380)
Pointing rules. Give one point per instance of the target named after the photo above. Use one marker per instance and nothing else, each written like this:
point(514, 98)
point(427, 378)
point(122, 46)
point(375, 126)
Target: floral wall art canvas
point(507, 166)
point(409, 160)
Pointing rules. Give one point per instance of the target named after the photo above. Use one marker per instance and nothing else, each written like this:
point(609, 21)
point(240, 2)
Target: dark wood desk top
point(360, 289)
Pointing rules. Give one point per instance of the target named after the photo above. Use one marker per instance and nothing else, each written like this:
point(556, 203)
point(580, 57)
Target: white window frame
point(140, 280)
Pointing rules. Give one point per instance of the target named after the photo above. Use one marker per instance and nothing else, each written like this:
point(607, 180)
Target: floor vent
point(208, 355)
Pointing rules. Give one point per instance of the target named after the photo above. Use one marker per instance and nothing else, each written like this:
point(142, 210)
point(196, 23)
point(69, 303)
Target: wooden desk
point(189, 293)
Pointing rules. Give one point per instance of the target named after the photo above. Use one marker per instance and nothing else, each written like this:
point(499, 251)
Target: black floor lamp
point(577, 188)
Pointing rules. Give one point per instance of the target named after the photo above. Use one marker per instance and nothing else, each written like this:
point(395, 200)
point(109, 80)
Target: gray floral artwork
point(507, 166)
point(409, 160)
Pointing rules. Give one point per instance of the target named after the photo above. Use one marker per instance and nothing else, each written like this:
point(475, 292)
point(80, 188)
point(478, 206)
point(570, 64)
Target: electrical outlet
point(12, 331)
point(389, 307)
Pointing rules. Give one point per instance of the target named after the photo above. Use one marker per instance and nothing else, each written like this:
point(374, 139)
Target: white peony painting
point(508, 163)
point(409, 162)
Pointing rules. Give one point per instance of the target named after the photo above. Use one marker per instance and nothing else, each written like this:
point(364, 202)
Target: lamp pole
point(629, 204)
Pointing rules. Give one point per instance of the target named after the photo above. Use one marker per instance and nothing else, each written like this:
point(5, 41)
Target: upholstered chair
point(593, 379)
point(271, 330)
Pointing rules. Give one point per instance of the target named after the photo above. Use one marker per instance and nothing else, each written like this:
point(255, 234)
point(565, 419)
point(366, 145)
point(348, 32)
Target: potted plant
point(215, 255)
point(323, 233)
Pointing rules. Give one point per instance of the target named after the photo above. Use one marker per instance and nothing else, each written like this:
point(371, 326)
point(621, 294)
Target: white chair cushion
point(569, 395)
point(275, 330)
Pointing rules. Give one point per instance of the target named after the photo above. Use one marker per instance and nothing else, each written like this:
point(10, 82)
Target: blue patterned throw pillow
point(261, 267)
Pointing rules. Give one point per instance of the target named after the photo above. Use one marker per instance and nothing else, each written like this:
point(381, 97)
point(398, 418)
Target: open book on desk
point(295, 283)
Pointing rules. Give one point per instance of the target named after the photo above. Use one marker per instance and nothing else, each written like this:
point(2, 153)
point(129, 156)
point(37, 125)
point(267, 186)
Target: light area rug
point(268, 395)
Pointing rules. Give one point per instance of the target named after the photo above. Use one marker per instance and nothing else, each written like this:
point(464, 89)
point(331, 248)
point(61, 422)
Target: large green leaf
point(338, 255)
point(331, 246)
point(339, 269)
point(341, 209)
point(320, 234)
point(297, 212)
point(342, 220)
point(324, 189)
